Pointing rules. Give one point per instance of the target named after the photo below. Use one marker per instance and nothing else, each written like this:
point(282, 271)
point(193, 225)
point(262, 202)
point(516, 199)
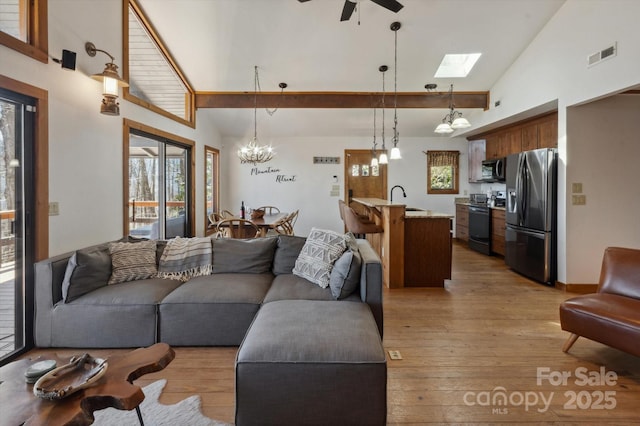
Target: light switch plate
point(579, 200)
point(576, 188)
point(54, 208)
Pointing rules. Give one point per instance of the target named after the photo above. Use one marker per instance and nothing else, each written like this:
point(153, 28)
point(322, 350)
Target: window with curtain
point(23, 27)
point(442, 172)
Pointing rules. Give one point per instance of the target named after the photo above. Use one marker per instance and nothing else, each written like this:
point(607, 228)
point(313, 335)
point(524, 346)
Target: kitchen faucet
point(404, 194)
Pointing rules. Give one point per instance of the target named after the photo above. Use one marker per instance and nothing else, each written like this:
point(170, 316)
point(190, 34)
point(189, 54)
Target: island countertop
point(410, 212)
point(375, 202)
point(426, 214)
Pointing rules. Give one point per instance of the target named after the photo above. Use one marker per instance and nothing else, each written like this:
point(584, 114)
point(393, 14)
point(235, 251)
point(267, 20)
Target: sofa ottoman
point(311, 362)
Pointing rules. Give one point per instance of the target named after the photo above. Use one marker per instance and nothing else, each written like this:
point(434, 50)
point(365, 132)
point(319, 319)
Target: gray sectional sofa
point(211, 310)
point(307, 354)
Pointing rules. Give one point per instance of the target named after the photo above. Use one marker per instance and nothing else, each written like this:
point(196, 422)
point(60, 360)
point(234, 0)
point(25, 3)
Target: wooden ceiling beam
point(340, 100)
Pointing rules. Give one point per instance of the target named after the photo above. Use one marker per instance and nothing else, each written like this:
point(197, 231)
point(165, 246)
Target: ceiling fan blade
point(392, 5)
point(347, 10)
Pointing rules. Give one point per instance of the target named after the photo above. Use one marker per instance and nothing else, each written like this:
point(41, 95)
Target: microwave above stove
point(494, 170)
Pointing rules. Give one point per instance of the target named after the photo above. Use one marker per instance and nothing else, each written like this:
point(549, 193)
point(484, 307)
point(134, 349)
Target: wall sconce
point(111, 81)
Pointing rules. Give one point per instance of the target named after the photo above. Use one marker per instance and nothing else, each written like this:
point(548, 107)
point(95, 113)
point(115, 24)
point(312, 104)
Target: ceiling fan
point(350, 6)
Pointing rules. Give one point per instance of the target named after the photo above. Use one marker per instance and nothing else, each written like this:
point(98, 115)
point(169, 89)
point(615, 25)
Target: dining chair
point(286, 224)
point(214, 218)
point(237, 228)
point(226, 214)
point(269, 209)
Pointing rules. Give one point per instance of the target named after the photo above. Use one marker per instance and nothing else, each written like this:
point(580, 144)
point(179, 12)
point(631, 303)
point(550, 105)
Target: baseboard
point(577, 288)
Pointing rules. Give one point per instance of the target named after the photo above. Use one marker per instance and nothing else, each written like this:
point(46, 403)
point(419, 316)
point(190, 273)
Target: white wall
point(606, 163)
point(85, 147)
point(554, 68)
point(310, 192)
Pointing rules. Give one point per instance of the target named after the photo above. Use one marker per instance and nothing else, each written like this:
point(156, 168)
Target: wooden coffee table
point(114, 389)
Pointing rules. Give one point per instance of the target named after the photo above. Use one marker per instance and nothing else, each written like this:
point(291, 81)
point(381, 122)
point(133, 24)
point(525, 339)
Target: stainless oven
point(480, 228)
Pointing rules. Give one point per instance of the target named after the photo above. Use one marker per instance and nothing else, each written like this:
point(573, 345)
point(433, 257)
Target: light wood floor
point(488, 330)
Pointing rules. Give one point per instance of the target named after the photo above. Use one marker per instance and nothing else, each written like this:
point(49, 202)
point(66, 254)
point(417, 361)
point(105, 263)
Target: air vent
point(600, 56)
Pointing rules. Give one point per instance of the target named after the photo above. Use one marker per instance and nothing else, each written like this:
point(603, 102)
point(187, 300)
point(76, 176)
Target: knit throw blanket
point(185, 258)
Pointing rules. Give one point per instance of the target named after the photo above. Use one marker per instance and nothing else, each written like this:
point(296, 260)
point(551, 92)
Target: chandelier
point(253, 152)
point(454, 120)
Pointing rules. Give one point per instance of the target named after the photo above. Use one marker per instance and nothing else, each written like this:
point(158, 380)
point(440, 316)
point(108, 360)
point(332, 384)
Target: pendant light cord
point(395, 89)
point(383, 92)
point(255, 103)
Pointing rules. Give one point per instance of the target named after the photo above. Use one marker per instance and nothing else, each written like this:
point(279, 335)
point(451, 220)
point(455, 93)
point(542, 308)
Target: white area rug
point(185, 412)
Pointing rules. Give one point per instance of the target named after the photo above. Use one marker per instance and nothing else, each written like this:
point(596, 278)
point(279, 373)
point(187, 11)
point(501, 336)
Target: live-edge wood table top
point(114, 389)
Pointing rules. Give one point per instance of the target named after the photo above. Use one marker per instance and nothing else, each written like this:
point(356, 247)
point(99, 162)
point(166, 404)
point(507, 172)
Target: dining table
point(264, 223)
point(267, 221)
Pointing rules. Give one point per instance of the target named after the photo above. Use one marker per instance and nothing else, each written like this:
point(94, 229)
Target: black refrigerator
point(530, 246)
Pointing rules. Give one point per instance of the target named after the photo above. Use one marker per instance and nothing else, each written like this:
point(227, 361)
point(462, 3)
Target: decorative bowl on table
point(257, 214)
point(82, 371)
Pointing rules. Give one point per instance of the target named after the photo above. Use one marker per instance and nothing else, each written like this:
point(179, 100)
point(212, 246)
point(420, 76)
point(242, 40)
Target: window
point(442, 172)
point(155, 80)
point(23, 27)
point(158, 176)
point(211, 185)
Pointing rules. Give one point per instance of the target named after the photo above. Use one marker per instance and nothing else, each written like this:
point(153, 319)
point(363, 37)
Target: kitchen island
point(415, 245)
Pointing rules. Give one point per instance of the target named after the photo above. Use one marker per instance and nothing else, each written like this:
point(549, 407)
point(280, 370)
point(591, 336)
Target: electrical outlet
point(395, 355)
point(54, 208)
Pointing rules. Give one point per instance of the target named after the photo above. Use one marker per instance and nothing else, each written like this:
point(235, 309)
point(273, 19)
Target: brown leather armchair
point(611, 315)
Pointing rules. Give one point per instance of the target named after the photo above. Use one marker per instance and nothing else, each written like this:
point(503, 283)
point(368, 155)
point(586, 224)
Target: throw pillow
point(345, 275)
point(132, 261)
point(243, 256)
point(88, 269)
point(318, 255)
point(289, 247)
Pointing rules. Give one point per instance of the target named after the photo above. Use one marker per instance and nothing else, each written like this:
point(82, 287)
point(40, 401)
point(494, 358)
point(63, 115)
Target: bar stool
point(356, 226)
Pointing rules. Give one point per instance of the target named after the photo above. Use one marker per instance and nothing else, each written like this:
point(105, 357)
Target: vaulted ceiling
point(217, 43)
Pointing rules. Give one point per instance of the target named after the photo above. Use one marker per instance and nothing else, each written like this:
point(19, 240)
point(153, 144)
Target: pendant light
point(452, 121)
point(374, 154)
point(253, 152)
point(383, 159)
point(395, 151)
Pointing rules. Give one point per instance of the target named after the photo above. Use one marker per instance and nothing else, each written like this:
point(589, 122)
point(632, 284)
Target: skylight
point(456, 65)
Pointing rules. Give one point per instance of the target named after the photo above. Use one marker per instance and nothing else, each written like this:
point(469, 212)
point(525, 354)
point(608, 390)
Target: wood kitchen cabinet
point(503, 143)
point(498, 227)
point(492, 146)
point(462, 222)
point(539, 132)
point(476, 156)
point(548, 132)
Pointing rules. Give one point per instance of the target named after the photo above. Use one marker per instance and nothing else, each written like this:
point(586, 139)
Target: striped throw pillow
point(132, 261)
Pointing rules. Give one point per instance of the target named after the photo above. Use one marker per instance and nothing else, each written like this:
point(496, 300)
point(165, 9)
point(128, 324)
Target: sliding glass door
point(158, 187)
point(17, 117)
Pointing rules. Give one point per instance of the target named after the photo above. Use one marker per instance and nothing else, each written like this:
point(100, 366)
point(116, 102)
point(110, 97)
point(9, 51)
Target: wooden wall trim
point(577, 288)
